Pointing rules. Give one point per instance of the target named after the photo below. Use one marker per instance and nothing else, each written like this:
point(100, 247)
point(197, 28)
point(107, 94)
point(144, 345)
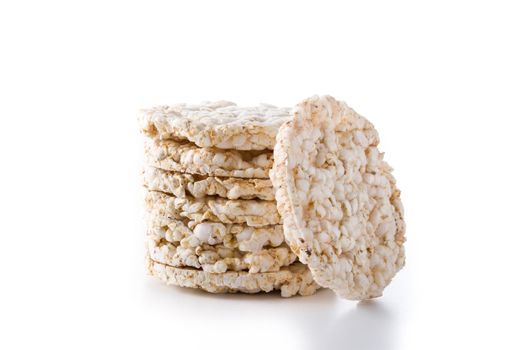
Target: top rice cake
point(219, 124)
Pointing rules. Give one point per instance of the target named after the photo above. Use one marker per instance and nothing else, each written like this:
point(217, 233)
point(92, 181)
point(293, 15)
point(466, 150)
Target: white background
point(443, 82)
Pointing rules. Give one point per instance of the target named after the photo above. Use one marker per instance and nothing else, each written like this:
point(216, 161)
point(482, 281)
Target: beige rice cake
point(198, 186)
point(186, 157)
point(341, 209)
point(252, 212)
point(219, 124)
point(290, 280)
point(234, 236)
point(218, 258)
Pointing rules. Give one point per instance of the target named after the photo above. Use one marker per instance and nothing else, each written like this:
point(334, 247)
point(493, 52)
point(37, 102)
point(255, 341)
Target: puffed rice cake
point(290, 280)
point(181, 185)
point(219, 124)
point(254, 213)
point(186, 157)
point(341, 209)
point(192, 234)
point(218, 258)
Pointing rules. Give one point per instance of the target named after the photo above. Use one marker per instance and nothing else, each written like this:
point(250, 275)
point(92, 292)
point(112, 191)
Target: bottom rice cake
point(290, 280)
point(218, 258)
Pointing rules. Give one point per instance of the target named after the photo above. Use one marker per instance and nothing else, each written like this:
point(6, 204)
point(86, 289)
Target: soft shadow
point(318, 322)
point(365, 325)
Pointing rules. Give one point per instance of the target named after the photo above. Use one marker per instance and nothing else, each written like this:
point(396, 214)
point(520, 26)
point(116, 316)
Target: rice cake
point(186, 157)
point(341, 209)
point(192, 234)
point(198, 186)
point(219, 259)
point(252, 212)
point(290, 280)
point(218, 124)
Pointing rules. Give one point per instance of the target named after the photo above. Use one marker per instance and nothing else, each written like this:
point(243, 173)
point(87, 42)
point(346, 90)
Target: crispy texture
point(186, 157)
point(341, 209)
point(218, 258)
point(181, 185)
point(252, 212)
point(216, 124)
point(234, 236)
point(290, 280)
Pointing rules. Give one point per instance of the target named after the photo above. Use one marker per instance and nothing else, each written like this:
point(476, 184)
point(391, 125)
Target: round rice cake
point(186, 157)
point(342, 212)
point(252, 212)
point(198, 186)
point(219, 124)
point(218, 258)
point(234, 236)
point(290, 280)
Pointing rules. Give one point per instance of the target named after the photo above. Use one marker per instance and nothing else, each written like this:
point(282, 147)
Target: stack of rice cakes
point(212, 219)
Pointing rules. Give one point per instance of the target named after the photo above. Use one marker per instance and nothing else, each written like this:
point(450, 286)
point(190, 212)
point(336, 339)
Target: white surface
point(443, 83)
